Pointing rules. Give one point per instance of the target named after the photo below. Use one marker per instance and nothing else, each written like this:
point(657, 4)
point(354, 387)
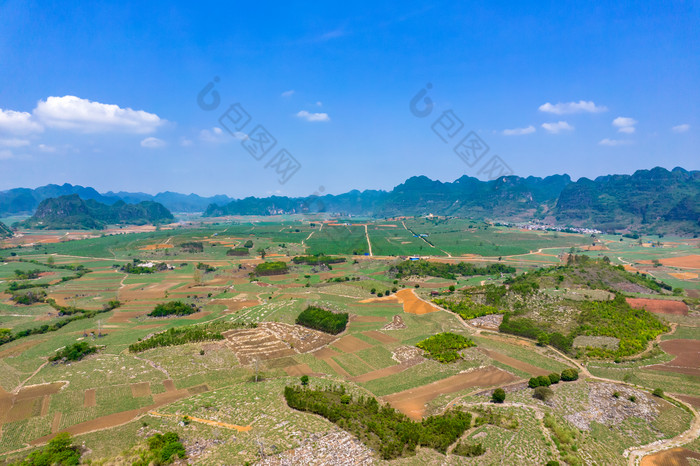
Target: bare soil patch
point(121, 317)
point(691, 400)
point(350, 344)
point(169, 385)
point(660, 306)
point(234, 305)
point(384, 299)
point(56, 422)
point(672, 457)
point(379, 336)
point(140, 389)
point(197, 389)
point(23, 409)
point(515, 363)
point(684, 262)
point(684, 275)
point(366, 319)
point(687, 361)
point(89, 398)
point(153, 247)
point(324, 353)
point(378, 374)
point(197, 315)
point(298, 370)
point(412, 402)
point(412, 304)
point(281, 363)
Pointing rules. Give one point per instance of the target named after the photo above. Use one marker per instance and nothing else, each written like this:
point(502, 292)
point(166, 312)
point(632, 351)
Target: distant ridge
point(648, 201)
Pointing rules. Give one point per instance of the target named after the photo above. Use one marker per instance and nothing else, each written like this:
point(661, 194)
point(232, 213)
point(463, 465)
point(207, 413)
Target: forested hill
point(655, 200)
point(5, 231)
point(71, 212)
point(648, 200)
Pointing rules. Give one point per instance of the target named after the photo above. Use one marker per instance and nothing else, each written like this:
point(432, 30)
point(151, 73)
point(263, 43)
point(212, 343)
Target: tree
point(498, 396)
point(197, 277)
point(50, 261)
point(569, 375)
point(262, 253)
point(304, 380)
point(543, 393)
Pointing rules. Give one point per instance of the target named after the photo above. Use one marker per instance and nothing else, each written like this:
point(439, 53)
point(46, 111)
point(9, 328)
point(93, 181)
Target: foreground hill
point(71, 212)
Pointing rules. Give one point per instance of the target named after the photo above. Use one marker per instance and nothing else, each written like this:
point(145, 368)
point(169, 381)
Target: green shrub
point(498, 396)
point(658, 392)
point(271, 268)
point(554, 378)
point(323, 320)
point(237, 252)
point(543, 393)
point(74, 352)
point(544, 381)
point(444, 347)
point(569, 375)
point(534, 382)
point(59, 451)
point(187, 334)
point(173, 308)
point(468, 449)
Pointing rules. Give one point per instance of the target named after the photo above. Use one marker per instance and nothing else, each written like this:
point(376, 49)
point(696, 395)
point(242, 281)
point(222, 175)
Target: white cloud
point(73, 113)
point(625, 124)
point(5, 154)
point(319, 104)
point(18, 122)
point(184, 142)
point(614, 142)
point(681, 128)
point(14, 142)
point(313, 116)
point(519, 131)
point(288, 93)
point(563, 108)
point(215, 135)
point(46, 148)
point(152, 143)
point(557, 127)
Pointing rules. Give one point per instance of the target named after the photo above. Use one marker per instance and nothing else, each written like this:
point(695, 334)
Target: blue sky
point(104, 94)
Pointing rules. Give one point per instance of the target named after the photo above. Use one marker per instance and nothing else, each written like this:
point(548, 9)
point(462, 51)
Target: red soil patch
point(324, 353)
point(298, 370)
point(683, 262)
point(691, 400)
point(56, 423)
point(197, 315)
point(380, 373)
point(687, 361)
point(336, 367)
point(153, 247)
point(515, 363)
point(383, 299)
point(412, 402)
point(234, 305)
point(672, 457)
point(412, 304)
point(659, 306)
point(379, 336)
point(121, 317)
point(19, 349)
point(350, 344)
point(140, 389)
point(684, 275)
point(90, 399)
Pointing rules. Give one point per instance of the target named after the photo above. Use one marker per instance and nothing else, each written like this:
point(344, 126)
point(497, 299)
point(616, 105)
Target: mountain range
point(655, 200)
